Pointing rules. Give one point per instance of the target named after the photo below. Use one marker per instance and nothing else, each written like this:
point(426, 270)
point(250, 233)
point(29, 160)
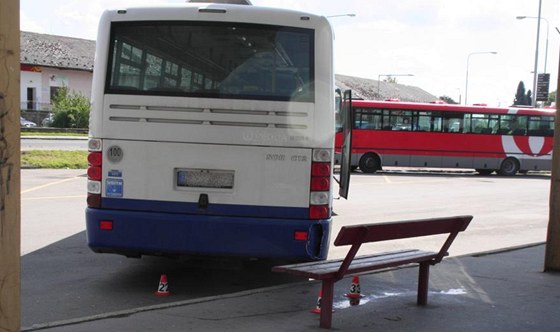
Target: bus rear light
point(94, 201)
point(319, 198)
point(321, 169)
point(322, 155)
point(94, 144)
point(320, 184)
point(301, 235)
point(106, 225)
point(95, 158)
point(94, 187)
point(319, 211)
point(94, 173)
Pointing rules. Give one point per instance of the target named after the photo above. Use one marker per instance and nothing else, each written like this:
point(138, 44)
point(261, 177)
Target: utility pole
point(10, 230)
point(552, 253)
point(536, 69)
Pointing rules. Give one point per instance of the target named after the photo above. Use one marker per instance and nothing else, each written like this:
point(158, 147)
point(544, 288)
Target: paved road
point(508, 211)
point(52, 206)
point(62, 279)
point(53, 143)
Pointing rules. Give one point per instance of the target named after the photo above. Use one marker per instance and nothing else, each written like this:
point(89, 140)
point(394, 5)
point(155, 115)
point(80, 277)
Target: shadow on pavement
point(67, 280)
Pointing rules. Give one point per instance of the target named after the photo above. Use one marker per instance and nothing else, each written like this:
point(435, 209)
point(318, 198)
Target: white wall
point(30, 79)
point(77, 81)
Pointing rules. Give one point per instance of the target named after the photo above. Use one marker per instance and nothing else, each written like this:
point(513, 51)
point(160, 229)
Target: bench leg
point(423, 281)
point(327, 303)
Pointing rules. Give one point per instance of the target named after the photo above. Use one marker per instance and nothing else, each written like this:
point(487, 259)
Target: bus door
point(346, 119)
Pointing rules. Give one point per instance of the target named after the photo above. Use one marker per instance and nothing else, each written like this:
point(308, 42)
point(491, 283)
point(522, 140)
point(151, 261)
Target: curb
point(54, 137)
point(130, 312)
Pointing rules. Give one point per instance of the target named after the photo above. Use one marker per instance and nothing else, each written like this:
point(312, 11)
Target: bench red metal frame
point(331, 271)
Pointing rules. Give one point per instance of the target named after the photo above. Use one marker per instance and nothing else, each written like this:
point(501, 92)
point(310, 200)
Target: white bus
point(212, 133)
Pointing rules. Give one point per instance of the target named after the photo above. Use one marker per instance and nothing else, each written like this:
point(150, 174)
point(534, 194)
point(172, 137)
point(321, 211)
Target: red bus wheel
point(509, 167)
point(369, 163)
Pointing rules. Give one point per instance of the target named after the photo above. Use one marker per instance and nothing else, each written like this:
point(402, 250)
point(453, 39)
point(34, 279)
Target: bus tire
point(509, 167)
point(369, 163)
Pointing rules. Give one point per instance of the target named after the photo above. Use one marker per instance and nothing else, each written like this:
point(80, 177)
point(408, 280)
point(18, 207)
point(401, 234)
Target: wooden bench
point(331, 271)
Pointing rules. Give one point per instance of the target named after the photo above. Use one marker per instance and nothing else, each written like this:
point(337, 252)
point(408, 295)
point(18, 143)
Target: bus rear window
point(211, 59)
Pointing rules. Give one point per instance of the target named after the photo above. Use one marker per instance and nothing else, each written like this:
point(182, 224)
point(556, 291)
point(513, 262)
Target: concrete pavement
point(499, 291)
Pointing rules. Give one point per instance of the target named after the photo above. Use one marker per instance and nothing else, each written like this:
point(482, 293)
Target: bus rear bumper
point(149, 233)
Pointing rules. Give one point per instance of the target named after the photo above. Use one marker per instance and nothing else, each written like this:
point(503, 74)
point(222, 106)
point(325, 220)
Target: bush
point(71, 110)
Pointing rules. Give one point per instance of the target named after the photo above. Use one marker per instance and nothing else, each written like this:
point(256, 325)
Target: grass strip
point(54, 159)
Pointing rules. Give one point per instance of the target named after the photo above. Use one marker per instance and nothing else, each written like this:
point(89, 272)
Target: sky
point(433, 40)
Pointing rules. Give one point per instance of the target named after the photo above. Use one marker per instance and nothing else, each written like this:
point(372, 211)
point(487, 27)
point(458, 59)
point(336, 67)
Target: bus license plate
point(204, 178)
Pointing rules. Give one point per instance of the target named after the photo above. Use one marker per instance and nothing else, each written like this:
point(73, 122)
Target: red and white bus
point(488, 139)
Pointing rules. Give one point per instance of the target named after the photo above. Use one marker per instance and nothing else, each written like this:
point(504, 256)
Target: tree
point(529, 98)
point(448, 100)
point(520, 96)
point(551, 98)
point(71, 110)
point(390, 79)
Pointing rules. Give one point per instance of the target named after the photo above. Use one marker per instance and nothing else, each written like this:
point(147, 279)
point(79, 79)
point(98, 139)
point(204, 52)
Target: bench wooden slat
point(328, 265)
point(400, 230)
point(328, 269)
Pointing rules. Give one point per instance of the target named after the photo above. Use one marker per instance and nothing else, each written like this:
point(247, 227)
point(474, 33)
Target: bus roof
point(451, 107)
point(211, 10)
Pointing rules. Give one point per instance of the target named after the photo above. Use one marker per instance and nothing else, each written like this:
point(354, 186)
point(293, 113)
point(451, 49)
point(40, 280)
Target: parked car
point(26, 123)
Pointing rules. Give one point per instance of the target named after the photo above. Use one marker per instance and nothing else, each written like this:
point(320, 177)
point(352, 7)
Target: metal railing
point(32, 105)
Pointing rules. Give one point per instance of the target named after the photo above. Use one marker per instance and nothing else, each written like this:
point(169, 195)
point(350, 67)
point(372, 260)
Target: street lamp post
point(535, 71)
point(467, 76)
point(388, 75)
point(547, 32)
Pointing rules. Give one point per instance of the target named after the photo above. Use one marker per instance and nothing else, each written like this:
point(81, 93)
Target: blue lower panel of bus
point(151, 233)
point(211, 209)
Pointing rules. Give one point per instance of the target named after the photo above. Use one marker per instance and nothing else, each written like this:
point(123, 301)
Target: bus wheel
point(369, 163)
point(509, 167)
